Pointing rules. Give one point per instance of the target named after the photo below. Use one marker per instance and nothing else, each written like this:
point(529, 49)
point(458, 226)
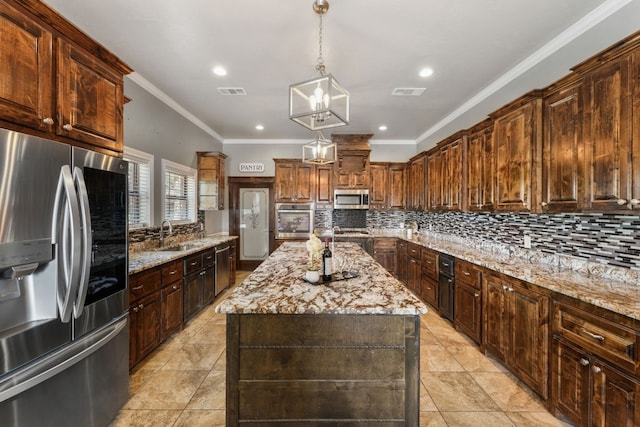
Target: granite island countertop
point(143, 260)
point(277, 287)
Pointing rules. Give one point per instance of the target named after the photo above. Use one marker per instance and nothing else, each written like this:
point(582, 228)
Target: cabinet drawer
point(384, 244)
point(468, 274)
point(208, 258)
point(430, 263)
point(144, 283)
point(446, 265)
point(171, 272)
point(602, 337)
point(192, 263)
point(413, 250)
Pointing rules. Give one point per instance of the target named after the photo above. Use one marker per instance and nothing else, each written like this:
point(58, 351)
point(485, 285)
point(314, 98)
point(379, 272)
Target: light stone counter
point(143, 260)
point(277, 287)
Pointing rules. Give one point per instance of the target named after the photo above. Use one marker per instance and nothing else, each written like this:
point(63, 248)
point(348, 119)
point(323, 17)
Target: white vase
point(312, 276)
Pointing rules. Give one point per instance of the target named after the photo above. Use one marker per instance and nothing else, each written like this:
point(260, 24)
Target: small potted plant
point(314, 247)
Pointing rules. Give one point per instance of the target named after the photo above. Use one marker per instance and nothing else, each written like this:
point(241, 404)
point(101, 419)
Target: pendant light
point(320, 151)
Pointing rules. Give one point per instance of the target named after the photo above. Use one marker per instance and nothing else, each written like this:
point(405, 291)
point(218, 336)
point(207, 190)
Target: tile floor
point(183, 382)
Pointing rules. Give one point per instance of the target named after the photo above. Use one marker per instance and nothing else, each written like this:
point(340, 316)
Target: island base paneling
point(336, 368)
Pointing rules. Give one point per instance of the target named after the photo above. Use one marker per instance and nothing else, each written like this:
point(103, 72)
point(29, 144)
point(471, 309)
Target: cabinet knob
point(597, 369)
point(141, 306)
point(175, 287)
point(135, 309)
point(510, 289)
point(67, 127)
point(621, 202)
point(476, 295)
point(466, 273)
point(544, 204)
point(584, 362)
point(504, 288)
point(634, 202)
point(47, 121)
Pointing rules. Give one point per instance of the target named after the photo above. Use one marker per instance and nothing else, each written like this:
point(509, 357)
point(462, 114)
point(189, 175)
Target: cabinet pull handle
point(466, 273)
point(47, 121)
point(173, 272)
point(584, 362)
point(135, 309)
point(203, 273)
point(476, 295)
point(544, 204)
point(135, 288)
point(175, 287)
point(510, 289)
point(504, 288)
point(592, 335)
point(621, 202)
point(597, 369)
point(194, 263)
point(634, 202)
point(67, 127)
point(141, 306)
point(445, 264)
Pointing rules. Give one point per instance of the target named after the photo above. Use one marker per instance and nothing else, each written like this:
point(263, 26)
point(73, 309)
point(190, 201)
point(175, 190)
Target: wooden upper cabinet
point(79, 100)
point(397, 185)
point(294, 181)
point(379, 190)
point(445, 191)
point(612, 141)
point(517, 148)
point(416, 183)
point(324, 186)
point(434, 179)
point(90, 99)
point(25, 70)
point(480, 168)
point(563, 176)
point(352, 168)
point(211, 180)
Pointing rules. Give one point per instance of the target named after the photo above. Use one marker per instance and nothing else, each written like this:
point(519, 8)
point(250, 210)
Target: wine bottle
point(327, 262)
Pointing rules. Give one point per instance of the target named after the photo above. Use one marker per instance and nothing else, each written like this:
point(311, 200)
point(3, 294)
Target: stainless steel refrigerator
point(63, 284)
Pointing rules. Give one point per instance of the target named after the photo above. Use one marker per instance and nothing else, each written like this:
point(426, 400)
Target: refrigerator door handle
point(85, 251)
point(58, 361)
point(64, 233)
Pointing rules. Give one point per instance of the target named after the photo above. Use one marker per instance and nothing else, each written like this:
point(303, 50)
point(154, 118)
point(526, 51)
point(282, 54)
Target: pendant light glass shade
point(320, 151)
point(319, 103)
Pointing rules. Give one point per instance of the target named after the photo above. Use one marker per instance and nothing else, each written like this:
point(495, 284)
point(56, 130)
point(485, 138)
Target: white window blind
point(179, 192)
point(140, 192)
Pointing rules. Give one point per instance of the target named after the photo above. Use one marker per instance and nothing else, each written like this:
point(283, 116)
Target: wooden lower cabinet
point(401, 259)
point(172, 305)
point(144, 327)
point(468, 300)
point(414, 274)
point(429, 284)
point(385, 252)
point(516, 328)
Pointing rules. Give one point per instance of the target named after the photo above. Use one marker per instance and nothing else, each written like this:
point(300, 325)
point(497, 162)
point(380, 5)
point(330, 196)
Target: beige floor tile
point(473, 361)
point(536, 419)
point(475, 419)
point(505, 390)
point(199, 418)
point(426, 337)
point(210, 333)
point(145, 418)
point(211, 393)
point(457, 391)
point(437, 358)
point(170, 390)
point(194, 356)
point(138, 378)
point(426, 402)
point(447, 336)
point(432, 419)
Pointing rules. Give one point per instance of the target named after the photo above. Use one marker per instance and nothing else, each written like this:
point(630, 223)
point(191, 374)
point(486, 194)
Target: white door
point(254, 223)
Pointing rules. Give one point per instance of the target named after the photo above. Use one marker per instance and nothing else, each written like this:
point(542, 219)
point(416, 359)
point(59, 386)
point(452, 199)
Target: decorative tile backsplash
point(596, 238)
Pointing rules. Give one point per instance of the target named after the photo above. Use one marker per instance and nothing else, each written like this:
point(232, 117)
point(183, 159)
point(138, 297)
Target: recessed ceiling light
point(426, 72)
point(383, 127)
point(259, 127)
point(219, 71)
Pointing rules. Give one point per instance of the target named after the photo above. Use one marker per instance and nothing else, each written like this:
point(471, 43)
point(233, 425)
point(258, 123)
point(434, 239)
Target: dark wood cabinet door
point(468, 310)
point(479, 173)
point(529, 336)
point(148, 324)
point(616, 397)
point(324, 186)
point(89, 99)
point(496, 316)
point(352, 170)
point(563, 176)
point(172, 308)
point(429, 290)
point(285, 183)
point(193, 295)
point(133, 335)
point(397, 185)
point(417, 184)
point(434, 180)
point(208, 286)
point(414, 275)
point(608, 132)
point(450, 187)
point(295, 182)
point(401, 272)
point(305, 183)
point(25, 70)
point(517, 150)
point(379, 185)
point(570, 382)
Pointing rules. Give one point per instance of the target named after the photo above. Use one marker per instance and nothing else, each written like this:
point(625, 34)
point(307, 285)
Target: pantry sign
point(251, 167)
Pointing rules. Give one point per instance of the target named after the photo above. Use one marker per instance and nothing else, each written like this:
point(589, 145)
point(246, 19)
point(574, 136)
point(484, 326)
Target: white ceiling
point(479, 50)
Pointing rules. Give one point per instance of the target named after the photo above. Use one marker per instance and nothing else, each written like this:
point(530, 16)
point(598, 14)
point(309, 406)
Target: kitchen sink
point(179, 248)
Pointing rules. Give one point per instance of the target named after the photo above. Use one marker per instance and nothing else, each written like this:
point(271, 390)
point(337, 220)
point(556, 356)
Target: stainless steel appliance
point(446, 277)
point(63, 284)
point(295, 221)
point(350, 199)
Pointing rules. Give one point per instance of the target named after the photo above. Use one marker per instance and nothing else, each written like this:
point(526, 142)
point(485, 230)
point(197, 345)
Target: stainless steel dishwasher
point(222, 269)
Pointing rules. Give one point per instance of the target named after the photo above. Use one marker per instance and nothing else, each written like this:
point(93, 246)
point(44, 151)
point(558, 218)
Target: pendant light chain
point(320, 66)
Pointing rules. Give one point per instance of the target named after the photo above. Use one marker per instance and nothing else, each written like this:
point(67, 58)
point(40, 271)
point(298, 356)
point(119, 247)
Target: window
point(140, 187)
point(179, 190)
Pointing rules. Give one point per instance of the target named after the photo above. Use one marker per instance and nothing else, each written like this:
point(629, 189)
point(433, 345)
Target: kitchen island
point(344, 353)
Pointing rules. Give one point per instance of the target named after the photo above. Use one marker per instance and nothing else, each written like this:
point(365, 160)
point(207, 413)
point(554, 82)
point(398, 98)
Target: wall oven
point(295, 220)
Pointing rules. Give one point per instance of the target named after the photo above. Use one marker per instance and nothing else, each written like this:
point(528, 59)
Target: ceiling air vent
point(408, 91)
point(231, 91)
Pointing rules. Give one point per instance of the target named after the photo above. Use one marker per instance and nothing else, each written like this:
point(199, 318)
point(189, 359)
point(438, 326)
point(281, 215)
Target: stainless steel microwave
point(350, 199)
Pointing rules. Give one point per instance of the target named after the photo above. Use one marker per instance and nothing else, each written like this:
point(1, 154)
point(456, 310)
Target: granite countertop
point(143, 260)
point(611, 288)
point(277, 287)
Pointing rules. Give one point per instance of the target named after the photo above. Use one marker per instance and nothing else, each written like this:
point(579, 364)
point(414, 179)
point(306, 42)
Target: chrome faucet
point(162, 231)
